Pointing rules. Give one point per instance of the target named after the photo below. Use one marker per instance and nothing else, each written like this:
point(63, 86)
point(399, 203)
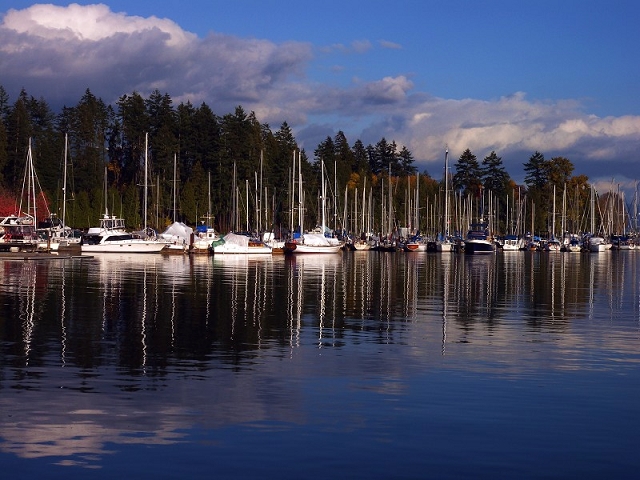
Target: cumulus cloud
point(515, 128)
point(58, 52)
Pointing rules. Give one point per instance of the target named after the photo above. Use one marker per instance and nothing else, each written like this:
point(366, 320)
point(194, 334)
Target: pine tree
point(468, 176)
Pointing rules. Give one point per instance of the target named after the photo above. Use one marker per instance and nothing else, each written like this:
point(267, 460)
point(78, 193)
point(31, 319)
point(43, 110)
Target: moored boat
point(478, 240)
point(112, 237)
point(233, 243)
point(313, 243)
point(511, 243)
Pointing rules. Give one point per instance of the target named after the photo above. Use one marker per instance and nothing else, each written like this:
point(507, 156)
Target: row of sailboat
point(111, 235)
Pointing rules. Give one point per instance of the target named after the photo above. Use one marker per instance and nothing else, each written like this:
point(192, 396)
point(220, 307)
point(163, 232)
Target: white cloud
point(59, 52)
point(91, 22)
point(390, 45)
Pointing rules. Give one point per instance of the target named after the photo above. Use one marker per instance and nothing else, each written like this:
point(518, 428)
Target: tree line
point(205, 151)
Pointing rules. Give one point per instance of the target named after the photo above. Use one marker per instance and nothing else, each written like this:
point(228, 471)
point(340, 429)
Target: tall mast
point(390, 206)
point(300, 195)
point(106, 208)
point(174, 188)
point(246, 188)
point(446, 193)
point(64, 187)
point(146, 153)
point(322, 193)
point(292, 183)
point(553, 217)
point(335, 197)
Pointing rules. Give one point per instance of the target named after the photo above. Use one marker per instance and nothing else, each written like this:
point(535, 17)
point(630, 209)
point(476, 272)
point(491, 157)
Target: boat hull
point(227, 249)
point(297, 248)
point(444, 247)
point(478, 247)
point(124, 247)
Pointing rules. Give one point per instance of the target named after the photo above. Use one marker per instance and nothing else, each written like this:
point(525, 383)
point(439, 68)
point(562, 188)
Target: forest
point(238, 171)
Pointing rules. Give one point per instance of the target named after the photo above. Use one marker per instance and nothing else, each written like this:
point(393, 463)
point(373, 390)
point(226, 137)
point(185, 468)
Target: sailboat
point(595, 243)
point(19, 231)
point(177, 236)
point(205, 232)
point(479, 238)
point(112, 237)
point(317, 241)
point(445, 244)
point(59, 237)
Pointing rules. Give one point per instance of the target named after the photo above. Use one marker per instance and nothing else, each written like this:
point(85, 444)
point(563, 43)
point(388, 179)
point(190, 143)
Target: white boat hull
point(127, 246)
point(302, 248)
point(230, 249)
point(444, 247)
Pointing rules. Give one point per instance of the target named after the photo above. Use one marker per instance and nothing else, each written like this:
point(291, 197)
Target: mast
point(446, 193)
point(261, 203)
point(292, 183)
point(246, 186)
point(322, 193)
point(31, 185)
point(593, 211)
point(146, 153)
point(234, 222)
point(106, 208)
point(390, 206)
point(553, 216)
point(64, 188)
point(335, 197)
point(174, 188)
point(417, 204)
point(564, 211)
point(300, 195)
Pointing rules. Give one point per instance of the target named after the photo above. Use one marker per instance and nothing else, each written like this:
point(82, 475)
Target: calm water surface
point(359, 365)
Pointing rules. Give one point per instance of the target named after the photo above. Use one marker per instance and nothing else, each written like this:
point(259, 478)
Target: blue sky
point(561, 77)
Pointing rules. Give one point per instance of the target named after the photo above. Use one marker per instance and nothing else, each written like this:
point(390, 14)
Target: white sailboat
point(177, 236)
point(595, 242)
point(445, 244)
point(59, 236)
point(317, 241)
point(18, 232)
point(233, 243)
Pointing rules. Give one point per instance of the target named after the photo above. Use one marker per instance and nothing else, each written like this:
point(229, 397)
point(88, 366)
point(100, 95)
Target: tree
point(468, 176)
point(406, 160)
point(360, 163)
point(87, 125)
point(537, 171)
point(494, 176)
point(134, 122)
point(559, 170)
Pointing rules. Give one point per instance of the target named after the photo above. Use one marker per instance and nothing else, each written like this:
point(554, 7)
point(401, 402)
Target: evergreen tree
point(494, 176)
point(5, 107)
point(360, 163)
point(87, 125)
point(468, 176)
point(19, 131)
point(134, 122)
point(536, 170)
point(406, 160)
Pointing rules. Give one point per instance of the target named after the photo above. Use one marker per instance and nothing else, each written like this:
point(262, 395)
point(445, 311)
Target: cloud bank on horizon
point(57, 52)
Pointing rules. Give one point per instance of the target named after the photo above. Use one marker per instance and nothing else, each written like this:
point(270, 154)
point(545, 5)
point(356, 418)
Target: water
point(362, 365)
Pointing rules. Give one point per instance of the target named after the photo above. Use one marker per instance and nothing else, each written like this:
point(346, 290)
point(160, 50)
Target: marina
point(369, 364)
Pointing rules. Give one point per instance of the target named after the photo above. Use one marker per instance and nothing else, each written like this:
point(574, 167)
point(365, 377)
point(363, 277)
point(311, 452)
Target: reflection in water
point(88, 344)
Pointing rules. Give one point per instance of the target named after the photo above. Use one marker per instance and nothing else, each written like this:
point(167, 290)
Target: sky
point(558, 77)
